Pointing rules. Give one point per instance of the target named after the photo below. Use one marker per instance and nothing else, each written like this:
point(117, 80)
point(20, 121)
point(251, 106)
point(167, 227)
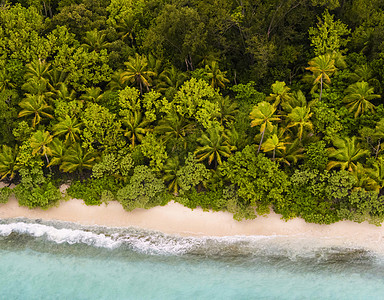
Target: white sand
point(177, 219)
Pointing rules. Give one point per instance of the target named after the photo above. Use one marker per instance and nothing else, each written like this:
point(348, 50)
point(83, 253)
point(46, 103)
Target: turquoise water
point(67, 261)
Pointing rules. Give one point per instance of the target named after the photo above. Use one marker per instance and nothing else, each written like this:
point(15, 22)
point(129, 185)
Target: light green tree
point(358, 98)
point(35, 105)
point(263, 115)
point(9, 164)
point(346, 154)
point(214, 146)
point(322, 67)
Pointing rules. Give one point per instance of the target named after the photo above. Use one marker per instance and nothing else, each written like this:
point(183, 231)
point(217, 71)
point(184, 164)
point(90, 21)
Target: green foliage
point(316, 156)
point(328, 37)
point(5, 193)
point(118, 166)
point(35, 190)
point(143, 191)
point(192, 175)
point(246, 93)
point(94, 191)
point(258, 180)
point(317, 196)
point(212, 199)
point(196, 100)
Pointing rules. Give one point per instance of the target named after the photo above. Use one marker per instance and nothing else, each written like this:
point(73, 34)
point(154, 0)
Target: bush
point(94, 191)
point(5, 192)
point(143, 191)
point(35, 190)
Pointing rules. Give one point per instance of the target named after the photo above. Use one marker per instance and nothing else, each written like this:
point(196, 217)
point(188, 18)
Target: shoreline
point(175, 219)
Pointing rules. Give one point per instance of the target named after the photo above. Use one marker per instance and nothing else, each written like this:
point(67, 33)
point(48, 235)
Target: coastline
point(176, 219)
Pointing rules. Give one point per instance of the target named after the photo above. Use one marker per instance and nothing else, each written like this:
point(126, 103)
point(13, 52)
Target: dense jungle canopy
point(225, 104)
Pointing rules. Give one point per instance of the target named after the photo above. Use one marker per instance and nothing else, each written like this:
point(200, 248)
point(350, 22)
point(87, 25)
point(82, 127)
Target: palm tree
point(227, 110)
point(263, 114)
point(364, 179)
point(64, 94)
point(115, 84)
point(57, 150)
point(291, 154)
point(6, 81)
point(214, 145)
point(358, 98)
point(38, 69)
point(377, 172)
point(174, 127)
point(216, 76)
point(36, 106)
point(322, 68)
point(94, 41)
point(77, 159)
point(280, 95)
point(8, 162)
point(300, 117)
point(273, 143)
point(171, 79)
point(92, 94)
point(56, 79)
point(69, 127)
point(39, 143)
point(170, 169)
point(346, 153)
point(136, 126)
point(137, 72)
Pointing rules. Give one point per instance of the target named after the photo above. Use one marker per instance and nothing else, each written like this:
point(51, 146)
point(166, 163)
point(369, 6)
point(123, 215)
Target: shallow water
point(58, 260)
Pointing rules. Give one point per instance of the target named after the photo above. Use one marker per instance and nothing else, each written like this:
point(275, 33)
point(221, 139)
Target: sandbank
point(177, 219)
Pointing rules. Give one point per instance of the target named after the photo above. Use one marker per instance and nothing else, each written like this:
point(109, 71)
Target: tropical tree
point(170, 169)
point(92, 94)
point(94, 41)
point(263, 114)
point(56, 79)
point(280, 94)
point(137, 72)
point(215, 75)
point(377, 171)
point(174, 127)
point(8, 162)
point(346, 153)
point(300, 118)
point(77, 158)
point(64, 94)
point(214, 145)
point(34, 105)
point(227, 110)
point(136, 126)
point(358, 98)
point(273, 143)
point(38, 69)
point(291, 153)
point(6, 81)
point(69, 127)
point(57, 150)
point(170, 80)
point(322, 68)
point(39, 143)
point(364, 179)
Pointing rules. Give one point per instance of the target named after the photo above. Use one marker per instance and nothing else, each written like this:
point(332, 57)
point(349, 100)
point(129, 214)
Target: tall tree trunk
point(262, 137)
point(46, 157)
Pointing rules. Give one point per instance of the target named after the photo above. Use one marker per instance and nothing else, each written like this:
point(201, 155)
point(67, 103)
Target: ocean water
point(58, 260)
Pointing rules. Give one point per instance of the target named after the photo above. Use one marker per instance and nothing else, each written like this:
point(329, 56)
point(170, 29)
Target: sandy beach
point(177, 219)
